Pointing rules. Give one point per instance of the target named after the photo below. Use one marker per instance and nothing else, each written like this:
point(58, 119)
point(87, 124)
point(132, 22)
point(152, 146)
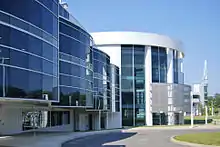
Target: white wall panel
point(136, 38)
point(148, 89)
point(169, 65)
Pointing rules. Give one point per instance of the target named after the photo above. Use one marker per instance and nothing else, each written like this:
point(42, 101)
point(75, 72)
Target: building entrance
point(159, 119)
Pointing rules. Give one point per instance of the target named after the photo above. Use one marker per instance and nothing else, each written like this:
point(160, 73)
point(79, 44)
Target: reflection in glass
point(76, 80)
point(43, 119)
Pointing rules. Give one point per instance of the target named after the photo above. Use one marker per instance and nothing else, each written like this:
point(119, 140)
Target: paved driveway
point(138, 138)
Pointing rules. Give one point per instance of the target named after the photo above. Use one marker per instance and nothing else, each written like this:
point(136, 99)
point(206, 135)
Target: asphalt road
point(141, 138)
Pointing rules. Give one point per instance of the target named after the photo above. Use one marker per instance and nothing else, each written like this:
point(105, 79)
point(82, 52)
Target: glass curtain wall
point(133, 85)
point(159, 64)
point(76, 73)
point(102, 88)
point(29, 49)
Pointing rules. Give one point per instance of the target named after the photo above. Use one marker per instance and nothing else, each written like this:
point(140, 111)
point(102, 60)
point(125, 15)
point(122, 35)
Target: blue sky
point(195, 22)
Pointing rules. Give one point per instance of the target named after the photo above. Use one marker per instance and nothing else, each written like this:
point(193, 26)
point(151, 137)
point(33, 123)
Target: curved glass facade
point(28, 49)
point(102, 87)
point(75, 65)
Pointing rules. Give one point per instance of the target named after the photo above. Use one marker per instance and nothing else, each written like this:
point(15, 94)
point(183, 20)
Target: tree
point(217, 102)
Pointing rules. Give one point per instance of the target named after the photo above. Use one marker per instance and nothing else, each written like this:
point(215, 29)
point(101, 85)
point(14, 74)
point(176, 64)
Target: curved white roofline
point(136, 38)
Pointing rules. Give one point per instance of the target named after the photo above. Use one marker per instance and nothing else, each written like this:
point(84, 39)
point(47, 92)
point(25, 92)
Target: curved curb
point(172, 139)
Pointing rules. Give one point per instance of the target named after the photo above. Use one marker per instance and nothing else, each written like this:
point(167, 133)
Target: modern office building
point(151, 76)
point(46, 71)
point(200, 92)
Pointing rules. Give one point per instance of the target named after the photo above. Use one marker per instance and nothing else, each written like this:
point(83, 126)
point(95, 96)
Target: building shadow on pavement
point(101, 140)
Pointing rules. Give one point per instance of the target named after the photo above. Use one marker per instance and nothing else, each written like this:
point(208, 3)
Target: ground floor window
point(44, 119)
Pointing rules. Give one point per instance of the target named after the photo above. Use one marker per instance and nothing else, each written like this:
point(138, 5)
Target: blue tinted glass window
point(78, 71)
point(18, 87)
point(47, 20)
point(65, 68)
point(4, 53)
point(5, 35)
point(126, 55)
point(163, 65)
point(35, 63)
point(18, 59)
point(175, 66)
point(65, 80)
point(64, 47)
point(47, 67)
point(43, 19)
point(47, 86)
point(139, 55)
point(155, 64)
point(35, 85)
point(35, 46)
point(19, 39)
point(48, 51)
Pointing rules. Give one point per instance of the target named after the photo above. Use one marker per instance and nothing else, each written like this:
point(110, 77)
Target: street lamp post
point(3, 75)
point(191, 99)
point(212, 108)
point(206, 114)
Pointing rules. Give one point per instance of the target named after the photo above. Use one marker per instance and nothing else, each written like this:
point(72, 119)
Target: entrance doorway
point(159, 119)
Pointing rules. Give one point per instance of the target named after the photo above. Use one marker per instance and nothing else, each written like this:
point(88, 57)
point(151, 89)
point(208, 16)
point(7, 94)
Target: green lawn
point(216, 117)
point(201, 117)
point(195, 117)
point(201, 138)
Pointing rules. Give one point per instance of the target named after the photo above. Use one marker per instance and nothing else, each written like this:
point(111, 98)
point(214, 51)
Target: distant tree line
point(214, 101)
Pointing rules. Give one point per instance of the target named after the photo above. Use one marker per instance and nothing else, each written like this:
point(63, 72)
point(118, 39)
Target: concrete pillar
point(170, 118)
point(99, 121)
point(148, 87)
point(170, 66)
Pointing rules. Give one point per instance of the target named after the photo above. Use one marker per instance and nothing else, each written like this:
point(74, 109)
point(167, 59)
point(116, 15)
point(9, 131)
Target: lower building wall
point(10, 120)
point(114, 120)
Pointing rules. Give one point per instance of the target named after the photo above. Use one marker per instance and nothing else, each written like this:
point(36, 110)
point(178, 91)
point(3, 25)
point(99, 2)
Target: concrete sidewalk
point(46, 139)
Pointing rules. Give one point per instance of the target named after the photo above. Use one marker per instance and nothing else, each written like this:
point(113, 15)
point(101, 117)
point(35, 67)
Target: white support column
point(191, 102)
point(169, 65)
point(170, 104)
point(180, 68)
point(99, 121)
point(170, 80)
point(148, 87)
